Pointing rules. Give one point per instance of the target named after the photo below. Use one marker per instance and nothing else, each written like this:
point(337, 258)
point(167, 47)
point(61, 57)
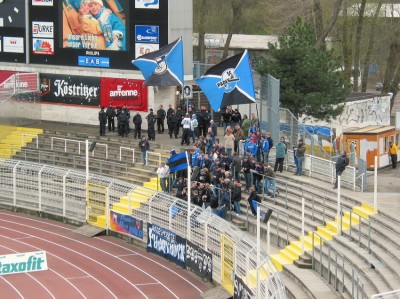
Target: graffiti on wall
point(372, 111)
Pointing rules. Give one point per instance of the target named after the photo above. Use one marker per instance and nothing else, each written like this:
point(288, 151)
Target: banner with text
point(120, 92)
point(126, 224)
point(199, 260)
point(241, 290)
point(72, 90)
point(23, 262)
point(166, 244)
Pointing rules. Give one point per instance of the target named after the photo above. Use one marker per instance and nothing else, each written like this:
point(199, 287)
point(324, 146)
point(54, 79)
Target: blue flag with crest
point(163, 67)
point(229, 82)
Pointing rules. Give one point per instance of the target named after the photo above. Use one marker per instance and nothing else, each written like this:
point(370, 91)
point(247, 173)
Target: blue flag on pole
point(229, 82)
point(163, 67)
point(178, 162)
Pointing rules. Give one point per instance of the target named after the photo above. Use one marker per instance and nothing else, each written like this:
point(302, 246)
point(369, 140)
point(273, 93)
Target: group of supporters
point(220, 164)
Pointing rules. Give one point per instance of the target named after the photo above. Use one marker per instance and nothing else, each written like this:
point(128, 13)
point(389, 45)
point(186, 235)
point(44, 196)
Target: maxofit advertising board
point(96, 33)
point(12, 31)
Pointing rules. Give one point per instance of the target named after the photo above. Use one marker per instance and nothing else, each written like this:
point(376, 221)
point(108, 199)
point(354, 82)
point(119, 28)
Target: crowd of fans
point(221, 163)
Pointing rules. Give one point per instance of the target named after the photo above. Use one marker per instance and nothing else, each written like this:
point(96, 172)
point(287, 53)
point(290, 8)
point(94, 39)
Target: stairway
point(14, 138)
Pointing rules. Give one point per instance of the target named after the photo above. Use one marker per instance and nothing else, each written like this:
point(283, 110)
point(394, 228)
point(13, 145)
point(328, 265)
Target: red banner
point(120, 92)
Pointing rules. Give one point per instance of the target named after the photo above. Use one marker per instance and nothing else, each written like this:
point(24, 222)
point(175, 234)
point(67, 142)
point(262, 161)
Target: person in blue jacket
point(195, 155)
point(251, 147)
point(264, 149)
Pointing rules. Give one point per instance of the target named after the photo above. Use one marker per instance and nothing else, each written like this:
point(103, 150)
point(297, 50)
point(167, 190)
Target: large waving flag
point(163, 67)
point(229, 82)
point(178, 162)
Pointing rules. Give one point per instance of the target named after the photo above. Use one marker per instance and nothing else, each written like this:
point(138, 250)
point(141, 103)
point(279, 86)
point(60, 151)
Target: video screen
point(95, 24)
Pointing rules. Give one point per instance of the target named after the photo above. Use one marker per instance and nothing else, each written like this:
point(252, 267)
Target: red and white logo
point(42, 2)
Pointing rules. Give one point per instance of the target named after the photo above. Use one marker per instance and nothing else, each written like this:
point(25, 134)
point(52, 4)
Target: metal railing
point(102, 166)
point(63, 192)
point(387, 295)
point(66, 141)
point(361, 221)
point(153, 154)
point(357, 284)
point(121, 148)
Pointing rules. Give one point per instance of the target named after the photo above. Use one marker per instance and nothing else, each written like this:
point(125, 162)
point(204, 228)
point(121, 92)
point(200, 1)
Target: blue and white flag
point(163, 67)
point(178, 162)
point(229, 82)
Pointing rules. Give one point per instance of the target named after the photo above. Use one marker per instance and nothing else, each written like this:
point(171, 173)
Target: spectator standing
point(137, 121)
point(341, 164)
point(213, 128)
point(144, 147)
point(110, 118)
point(170, 110)
point(179, 117)
point(204, 120)
point(119, 126)
point(163, 172)
point(270, 145)
point(151, 119)
point(236, 165)
point(238, 132)
point(227, 117)
point(186, 130)
point(237, 195)
point(236, 118)
point(229, 139)
point(245, 126)
point(172, 124)
point(264, 144)
point(270, 181)
point(193, 127)
point(300, 151)
point(102, 122)
point(160, 119)
point(280, 153)
point(393, 153)
point(127, 128)
point(253, 196)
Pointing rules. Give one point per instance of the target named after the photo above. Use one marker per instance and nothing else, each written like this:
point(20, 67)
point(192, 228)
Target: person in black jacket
point(160, 119)
point(144, 147)
point(179, 117)
point(137, 121)
point(253, 196)
point(110, 118)
point(341, 164)
point(102, 121)
point(237, 196)
point(172, 123)
point(204, 119)
point(151, 119)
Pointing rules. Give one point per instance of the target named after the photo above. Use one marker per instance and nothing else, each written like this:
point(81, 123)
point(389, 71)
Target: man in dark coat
point(172, 123)
point(341, 164)
point(137, 121)
point(204, 119)
point(160, 119)
point(110, 118)
point(151, 119)
point(102, 121)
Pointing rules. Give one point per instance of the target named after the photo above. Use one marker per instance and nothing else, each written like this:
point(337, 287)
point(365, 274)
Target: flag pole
point(189, 198)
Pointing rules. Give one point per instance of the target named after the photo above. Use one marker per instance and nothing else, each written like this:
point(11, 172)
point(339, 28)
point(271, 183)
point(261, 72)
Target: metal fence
point(63, 193)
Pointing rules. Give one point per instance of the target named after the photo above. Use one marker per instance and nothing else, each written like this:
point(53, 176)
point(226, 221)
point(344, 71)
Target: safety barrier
point(65, 193)
point(387, 295)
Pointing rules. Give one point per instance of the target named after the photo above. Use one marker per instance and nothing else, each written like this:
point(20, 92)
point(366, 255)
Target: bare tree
point(356, 62)
point(332, 21)
point(371, 42)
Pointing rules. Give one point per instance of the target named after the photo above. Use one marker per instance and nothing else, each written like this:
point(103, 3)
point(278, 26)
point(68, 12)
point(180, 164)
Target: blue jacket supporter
point(251, 147)
point(264, 146)
point(195, 157)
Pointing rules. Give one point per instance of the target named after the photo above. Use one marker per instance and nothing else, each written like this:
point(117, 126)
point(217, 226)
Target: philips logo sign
point(42, 2)
point(43, 29)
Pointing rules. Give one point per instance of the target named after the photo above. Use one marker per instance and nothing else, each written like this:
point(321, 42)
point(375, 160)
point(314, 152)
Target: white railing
point(153, 154)
point(62, 192)
point(66, 141)
point(121, 148)
point(387, 295)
